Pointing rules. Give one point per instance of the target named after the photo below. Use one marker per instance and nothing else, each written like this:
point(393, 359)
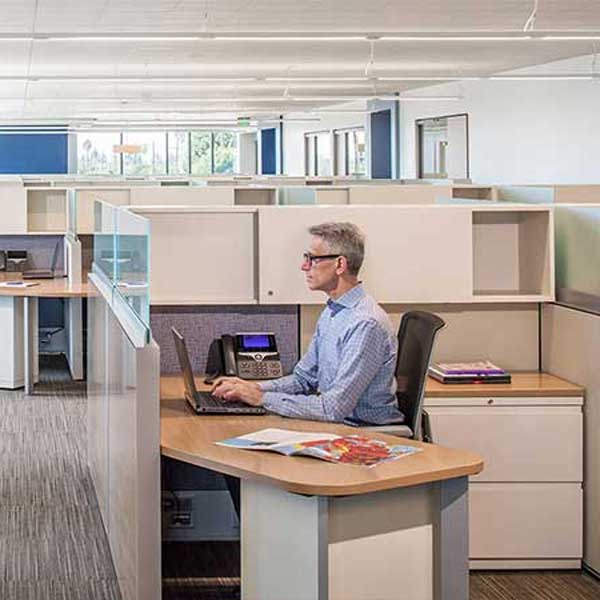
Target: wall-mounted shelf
point(513, 255)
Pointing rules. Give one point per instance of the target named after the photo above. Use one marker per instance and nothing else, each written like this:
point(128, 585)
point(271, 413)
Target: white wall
point(246, 157)
point(520, 131)
point(293, 135)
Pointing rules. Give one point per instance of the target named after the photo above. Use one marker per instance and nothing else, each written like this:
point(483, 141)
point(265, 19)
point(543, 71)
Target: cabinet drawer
point(529, 444)
point(522, 520)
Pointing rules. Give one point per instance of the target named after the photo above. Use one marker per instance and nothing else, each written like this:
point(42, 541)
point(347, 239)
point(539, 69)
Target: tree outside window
point(225, 151)
point(201, 153)
point(95, 153)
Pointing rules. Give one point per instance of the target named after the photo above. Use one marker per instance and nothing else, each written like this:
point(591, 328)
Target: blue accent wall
point(381, 144)
point(34, 153)
point(268, 151)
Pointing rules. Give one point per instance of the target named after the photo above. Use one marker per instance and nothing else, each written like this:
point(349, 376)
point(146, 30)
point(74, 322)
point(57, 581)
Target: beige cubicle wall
point(570, 349)
point(182, 196)
point(577, 194)
point(46, 211)
point(202, 255)
point(437, 253)
point(398, 194)
point(13, 198)
point(85, 204)
point(506, 334)
point(415, 254)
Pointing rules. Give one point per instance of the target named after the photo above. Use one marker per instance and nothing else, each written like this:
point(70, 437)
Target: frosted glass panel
point(578, 256)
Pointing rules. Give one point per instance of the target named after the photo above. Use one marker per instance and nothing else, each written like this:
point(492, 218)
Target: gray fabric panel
point(199, 325)
point(40, 249)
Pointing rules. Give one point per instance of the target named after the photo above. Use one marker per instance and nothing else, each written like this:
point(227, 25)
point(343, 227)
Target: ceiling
point(130, 60)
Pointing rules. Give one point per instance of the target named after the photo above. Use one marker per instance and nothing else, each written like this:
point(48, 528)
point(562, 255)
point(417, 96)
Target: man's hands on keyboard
point(236, 389)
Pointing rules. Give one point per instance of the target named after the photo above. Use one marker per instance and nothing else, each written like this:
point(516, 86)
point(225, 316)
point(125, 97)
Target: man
point(347, 374)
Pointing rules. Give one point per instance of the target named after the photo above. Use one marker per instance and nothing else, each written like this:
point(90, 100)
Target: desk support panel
point(366, 546)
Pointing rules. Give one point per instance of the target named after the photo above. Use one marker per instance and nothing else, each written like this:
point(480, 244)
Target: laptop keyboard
point(207, 401)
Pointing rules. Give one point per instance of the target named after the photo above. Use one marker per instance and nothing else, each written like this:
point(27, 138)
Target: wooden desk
point(43, 288)
point(357, 532)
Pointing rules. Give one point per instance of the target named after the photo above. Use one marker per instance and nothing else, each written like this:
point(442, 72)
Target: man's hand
point(234, 388)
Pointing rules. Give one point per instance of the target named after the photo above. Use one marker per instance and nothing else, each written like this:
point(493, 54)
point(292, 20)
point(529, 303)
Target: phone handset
point(221, 359)
point(229, 360)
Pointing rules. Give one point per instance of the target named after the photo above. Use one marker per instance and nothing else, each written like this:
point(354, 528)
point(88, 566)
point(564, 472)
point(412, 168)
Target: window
point(178, 152)
point(198, 153)
point(442, 147)
point(95, 153)
point(350, 152)
point(224, 151)
point(317, 153)
point(150, 157)
point(201, 153)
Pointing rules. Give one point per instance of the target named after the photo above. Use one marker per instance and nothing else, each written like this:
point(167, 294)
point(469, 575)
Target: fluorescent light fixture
point(408, 36)
point(549, 77)
point(260, 37)
point(427, 98)
point(432, 78)
point(125, 78)
point(318, 78)
point(569, 38)
point(455, 38)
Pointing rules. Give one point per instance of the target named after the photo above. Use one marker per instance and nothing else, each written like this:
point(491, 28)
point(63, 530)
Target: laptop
point(43, 273)
point(204, 403)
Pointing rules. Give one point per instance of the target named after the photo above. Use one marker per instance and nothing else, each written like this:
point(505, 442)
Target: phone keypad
point(250, 369)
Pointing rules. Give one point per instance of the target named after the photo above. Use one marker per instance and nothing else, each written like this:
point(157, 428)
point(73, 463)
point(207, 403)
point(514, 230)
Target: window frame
point(419, 123)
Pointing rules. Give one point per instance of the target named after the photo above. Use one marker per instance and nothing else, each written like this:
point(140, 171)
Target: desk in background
point(526, 508)
point(314, 530)
point(20, 306)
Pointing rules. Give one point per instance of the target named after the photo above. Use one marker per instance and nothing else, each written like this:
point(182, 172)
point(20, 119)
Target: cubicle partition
point(571, 341)
point(123, 402)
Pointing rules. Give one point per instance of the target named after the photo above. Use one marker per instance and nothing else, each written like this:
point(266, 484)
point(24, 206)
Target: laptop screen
point(184, 363)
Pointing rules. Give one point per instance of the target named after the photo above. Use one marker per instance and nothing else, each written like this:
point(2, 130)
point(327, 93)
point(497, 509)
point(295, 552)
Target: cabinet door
point(516, 443)
point(402, 258)
point(527, 521)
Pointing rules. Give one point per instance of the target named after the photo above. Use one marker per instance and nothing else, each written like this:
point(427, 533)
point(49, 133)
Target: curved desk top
point(191, 438)
point(58, 287)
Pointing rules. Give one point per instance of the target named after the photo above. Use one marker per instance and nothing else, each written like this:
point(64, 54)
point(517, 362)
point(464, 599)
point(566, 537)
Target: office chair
point(416, 336)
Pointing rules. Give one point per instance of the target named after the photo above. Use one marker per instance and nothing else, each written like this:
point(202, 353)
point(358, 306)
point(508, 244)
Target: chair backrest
point(415, 343)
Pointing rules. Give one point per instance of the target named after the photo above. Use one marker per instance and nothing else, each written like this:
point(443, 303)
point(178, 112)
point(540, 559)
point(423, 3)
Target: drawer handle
point(490, 401)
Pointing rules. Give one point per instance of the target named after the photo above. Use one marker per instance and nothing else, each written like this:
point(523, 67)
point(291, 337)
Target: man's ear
point(342, 266)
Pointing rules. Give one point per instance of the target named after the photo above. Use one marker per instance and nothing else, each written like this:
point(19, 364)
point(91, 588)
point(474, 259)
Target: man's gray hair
point(345, 238)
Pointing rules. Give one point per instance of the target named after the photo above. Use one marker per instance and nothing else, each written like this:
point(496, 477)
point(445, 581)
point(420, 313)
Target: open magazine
point(350, 449)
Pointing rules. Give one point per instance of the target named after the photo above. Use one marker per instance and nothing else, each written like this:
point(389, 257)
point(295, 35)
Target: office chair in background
point(416, 336)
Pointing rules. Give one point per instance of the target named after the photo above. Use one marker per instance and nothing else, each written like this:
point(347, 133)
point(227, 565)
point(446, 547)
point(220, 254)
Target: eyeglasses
point(311, 259)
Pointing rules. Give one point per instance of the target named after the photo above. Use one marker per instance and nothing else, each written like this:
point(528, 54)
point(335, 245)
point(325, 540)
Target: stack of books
point(470, 372)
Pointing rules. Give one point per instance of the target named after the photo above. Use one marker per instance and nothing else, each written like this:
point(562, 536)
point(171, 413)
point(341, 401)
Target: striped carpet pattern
point(53, 545)
point(52, 542)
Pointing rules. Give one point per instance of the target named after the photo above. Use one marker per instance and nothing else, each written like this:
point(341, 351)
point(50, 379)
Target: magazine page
point(355, 450)
point(278, 440)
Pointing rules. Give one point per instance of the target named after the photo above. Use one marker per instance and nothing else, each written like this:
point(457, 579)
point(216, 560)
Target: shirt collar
point(351, 298)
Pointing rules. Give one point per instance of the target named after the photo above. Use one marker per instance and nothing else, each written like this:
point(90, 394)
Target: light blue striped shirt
point(347, 374)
